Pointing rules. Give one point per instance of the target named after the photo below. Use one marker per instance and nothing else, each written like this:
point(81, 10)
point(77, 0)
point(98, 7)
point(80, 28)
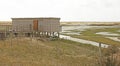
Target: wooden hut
point(40, 26)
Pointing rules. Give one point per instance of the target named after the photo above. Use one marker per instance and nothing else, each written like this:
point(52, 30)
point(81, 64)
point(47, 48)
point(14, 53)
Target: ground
point(32, 52)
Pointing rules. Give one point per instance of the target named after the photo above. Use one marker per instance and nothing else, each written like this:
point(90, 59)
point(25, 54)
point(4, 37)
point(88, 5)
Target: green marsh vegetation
point(90, 34)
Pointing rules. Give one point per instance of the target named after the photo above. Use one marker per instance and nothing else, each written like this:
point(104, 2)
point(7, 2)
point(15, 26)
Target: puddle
point(118, 30)
point(66, 30)
point(82, 28)
point(107, 34)
point(83, 41)
point(72, 33)
point(114, 38)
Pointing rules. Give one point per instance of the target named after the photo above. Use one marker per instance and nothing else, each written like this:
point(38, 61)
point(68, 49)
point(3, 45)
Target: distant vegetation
point(91, 23)
point(5, 23)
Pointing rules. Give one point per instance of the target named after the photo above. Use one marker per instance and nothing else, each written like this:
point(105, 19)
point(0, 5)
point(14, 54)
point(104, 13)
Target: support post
point(58, 34)
point(47, 34)
point(53, 34)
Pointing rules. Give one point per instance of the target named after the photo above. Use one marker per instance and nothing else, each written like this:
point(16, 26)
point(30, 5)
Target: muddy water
point(83, 41)
point(114, 38)
point(82, 28)
point(107, 34)
point(118, 30)
point(65, 29)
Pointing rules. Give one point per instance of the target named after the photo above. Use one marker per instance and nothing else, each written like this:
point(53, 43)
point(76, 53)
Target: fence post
point(100, 54)
point(11, 37)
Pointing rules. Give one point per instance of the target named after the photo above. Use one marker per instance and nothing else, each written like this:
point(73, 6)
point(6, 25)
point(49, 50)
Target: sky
point(67, 10)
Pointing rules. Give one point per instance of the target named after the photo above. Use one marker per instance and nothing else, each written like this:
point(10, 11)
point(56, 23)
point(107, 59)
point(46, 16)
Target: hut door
point(35, 25)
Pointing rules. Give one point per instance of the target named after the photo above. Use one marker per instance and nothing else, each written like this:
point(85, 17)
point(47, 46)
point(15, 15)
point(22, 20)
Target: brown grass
point(24, 52)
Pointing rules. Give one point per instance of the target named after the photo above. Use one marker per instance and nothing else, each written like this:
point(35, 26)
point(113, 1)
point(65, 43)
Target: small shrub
point(111, 57)
point(111, 50)
point(113, 60)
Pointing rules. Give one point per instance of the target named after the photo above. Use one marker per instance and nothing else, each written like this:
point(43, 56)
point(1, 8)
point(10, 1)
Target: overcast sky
point(67, 10)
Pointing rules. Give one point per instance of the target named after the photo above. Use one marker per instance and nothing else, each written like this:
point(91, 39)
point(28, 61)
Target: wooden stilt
point(58, 34)
point(47, 34)
point(53, 34)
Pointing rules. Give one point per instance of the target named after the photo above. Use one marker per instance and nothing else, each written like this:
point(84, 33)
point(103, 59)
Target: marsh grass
point(90, 34)
point(110, 56)
point(27, 52)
